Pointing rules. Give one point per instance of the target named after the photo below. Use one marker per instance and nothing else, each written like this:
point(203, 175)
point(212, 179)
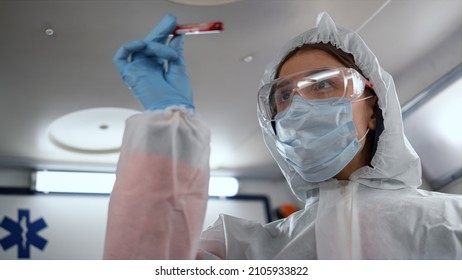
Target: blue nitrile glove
point(141, 65)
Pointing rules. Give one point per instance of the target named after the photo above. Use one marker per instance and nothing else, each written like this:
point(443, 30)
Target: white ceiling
point(45, 77)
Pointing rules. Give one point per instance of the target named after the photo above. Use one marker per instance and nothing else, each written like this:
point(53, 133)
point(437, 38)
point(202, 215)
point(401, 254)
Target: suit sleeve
point(157, 207)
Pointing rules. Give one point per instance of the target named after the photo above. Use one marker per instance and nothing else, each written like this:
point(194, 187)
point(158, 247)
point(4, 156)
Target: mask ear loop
point(374, 144)
point(379, 127)
point(364, 136)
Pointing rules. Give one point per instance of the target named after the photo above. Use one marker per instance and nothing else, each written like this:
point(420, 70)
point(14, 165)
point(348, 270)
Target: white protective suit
point(159, 199)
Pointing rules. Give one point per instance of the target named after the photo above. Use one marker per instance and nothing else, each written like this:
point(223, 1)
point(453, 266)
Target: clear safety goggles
point(333, 85)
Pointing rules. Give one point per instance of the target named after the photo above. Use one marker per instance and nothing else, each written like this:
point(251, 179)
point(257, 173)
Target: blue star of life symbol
point(23, 234)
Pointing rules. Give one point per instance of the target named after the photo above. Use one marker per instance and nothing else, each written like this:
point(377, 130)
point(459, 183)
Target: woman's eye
point(284, 96)
point(323, 85)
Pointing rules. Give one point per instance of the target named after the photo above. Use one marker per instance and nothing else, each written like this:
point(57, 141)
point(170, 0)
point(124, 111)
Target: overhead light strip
point(102, 183)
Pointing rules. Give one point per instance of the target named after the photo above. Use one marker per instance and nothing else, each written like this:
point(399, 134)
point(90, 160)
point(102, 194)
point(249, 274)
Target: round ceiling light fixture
point(49, 32)
point(204, 2)
point(96, 130)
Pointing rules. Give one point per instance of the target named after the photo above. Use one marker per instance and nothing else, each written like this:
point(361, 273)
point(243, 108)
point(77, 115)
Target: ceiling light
point(74, 182)
point(247, 59)
point(102, 183)
point(223, 186)
point(49, 32)
point(91, 130)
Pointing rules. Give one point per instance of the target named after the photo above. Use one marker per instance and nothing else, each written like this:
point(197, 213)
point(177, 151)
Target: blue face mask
point(317, 138)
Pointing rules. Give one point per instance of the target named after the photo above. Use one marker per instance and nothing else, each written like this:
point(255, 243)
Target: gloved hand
point(156, 84)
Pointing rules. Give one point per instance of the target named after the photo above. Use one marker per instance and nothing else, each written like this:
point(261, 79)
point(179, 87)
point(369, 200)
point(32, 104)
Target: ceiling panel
point(44, 77)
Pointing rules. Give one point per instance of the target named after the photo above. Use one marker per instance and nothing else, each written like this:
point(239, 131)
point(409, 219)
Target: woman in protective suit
point(330, 117)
